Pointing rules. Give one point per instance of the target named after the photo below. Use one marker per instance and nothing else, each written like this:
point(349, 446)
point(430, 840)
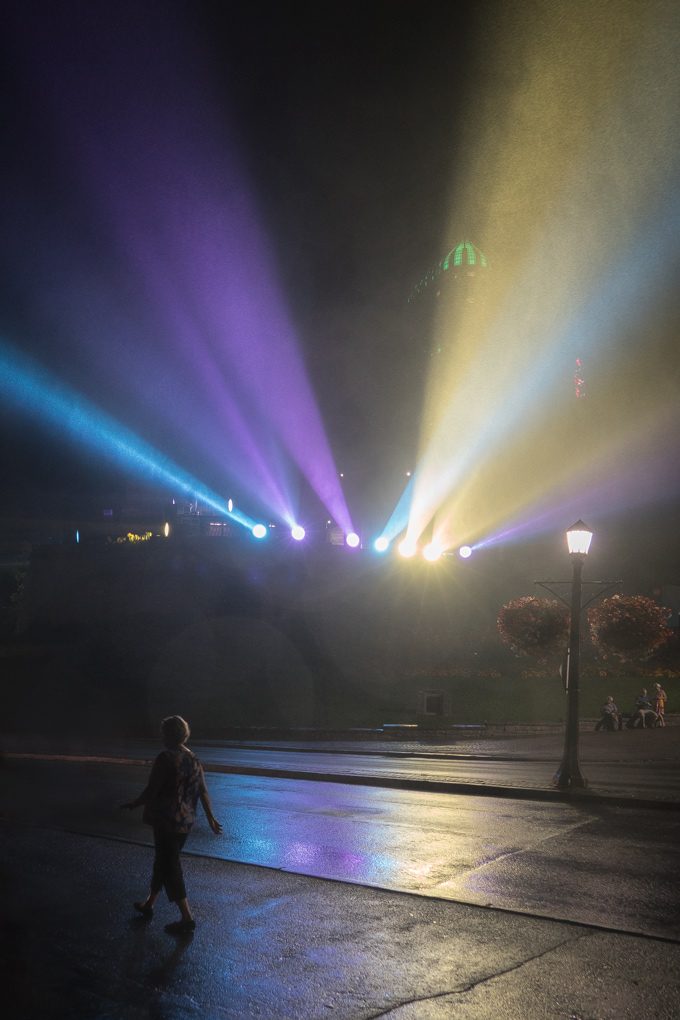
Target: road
point(640, 764)
point(607, 866)
point(616, 778)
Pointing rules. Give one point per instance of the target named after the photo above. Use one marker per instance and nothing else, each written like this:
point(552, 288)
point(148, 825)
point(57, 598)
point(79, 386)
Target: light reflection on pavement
point(551, 859)
point(607, 866)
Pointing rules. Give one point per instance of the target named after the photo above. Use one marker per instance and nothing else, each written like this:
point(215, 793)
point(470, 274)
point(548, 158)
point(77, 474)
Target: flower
point(629, 626)
point(533, 626)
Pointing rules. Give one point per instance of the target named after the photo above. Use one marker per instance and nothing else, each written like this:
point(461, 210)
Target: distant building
point(462, 265)
point(455, 281)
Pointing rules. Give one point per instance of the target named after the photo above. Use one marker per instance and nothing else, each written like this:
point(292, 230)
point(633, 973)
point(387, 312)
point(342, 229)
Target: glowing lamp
point(407, 548)
point(297, 532)
point(579, 538)
point(432, 551)
point(259, 531)
point(230, 506)
point(166, 529)
point(465, 551)
point(381, 544)
point(352, 540)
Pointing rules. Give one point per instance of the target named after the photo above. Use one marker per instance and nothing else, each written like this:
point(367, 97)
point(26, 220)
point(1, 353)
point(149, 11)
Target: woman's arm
point(207, 807)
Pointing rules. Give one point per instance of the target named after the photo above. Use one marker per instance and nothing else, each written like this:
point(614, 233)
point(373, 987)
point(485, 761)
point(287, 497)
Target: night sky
point(350, 128)
point(342, 117)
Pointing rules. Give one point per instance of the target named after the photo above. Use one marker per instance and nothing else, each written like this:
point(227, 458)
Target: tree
point(533, 626)
point(628, 626)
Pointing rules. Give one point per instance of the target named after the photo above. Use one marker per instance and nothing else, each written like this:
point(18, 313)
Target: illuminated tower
point(457, 280)
point(436, 307)
point(463, 265)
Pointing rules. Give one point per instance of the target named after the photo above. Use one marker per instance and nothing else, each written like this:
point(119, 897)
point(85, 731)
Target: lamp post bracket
point(602, 586)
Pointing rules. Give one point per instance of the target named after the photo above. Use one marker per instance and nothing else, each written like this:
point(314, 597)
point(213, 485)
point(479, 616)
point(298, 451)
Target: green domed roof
point(464, 254)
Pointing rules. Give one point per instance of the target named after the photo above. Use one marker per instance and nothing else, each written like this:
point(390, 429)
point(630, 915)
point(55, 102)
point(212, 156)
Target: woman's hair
point(175, 730)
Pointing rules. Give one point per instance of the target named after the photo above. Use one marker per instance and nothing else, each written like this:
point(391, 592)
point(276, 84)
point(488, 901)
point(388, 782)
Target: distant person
point(660, 699)
point(175, 786)
point(644, 715)
point(610, 717)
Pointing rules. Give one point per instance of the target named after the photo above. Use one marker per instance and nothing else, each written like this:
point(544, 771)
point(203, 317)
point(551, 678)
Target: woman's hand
point(215, 826)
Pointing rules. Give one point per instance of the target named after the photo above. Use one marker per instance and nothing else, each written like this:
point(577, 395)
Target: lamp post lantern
point(568, 775)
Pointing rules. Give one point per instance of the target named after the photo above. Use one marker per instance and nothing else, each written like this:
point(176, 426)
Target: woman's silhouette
point(175, 786)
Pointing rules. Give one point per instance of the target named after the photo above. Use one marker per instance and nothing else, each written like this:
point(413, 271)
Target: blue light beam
point(31, 389)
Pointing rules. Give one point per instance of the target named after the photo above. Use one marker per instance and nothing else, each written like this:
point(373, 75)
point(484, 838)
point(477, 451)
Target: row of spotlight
point(297, 532)
point(406, 548)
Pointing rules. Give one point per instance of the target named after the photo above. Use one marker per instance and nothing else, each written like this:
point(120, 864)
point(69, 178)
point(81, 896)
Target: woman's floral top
point(175, 785)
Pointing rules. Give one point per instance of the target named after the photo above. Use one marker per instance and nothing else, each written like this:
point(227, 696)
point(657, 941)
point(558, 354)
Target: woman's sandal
point(181, 927)
point(143, 909)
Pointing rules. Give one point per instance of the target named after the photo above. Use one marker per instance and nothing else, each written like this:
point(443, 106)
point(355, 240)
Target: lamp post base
point(569, 777)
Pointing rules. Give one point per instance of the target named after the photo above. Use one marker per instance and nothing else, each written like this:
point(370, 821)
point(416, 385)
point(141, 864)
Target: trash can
point(434, 709)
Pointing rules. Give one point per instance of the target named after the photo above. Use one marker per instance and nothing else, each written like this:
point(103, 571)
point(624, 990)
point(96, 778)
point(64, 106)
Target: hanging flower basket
point(628, 626)
point(533, 626)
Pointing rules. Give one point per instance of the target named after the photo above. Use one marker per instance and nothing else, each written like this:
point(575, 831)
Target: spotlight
point(407, 548)
point(432, 551)
point(230, 506)
point(381, 544)
point(465, 551)
point(166, 529)
point(259, 531)
point(297, 532)
point(352, 540)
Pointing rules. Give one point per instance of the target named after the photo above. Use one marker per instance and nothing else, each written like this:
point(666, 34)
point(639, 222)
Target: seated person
point(610, 717)
point(643, 714)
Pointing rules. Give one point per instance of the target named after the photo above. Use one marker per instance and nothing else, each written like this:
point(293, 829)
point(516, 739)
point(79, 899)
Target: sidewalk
point(632, 766)
point(626, 745)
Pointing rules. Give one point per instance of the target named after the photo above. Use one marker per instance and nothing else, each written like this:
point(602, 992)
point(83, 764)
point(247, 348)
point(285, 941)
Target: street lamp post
point(568, 775)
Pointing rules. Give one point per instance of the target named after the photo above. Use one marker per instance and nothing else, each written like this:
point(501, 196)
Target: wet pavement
point(354, 901)
point(560, 860)
point(564, 860)
point(283, 947)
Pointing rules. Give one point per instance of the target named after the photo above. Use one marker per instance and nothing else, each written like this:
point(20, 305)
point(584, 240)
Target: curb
point(439, 786)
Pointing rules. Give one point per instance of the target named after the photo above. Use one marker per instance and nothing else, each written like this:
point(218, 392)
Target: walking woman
point(175, 786)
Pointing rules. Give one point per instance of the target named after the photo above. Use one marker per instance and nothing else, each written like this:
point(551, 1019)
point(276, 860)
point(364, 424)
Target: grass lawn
point(534, 698)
